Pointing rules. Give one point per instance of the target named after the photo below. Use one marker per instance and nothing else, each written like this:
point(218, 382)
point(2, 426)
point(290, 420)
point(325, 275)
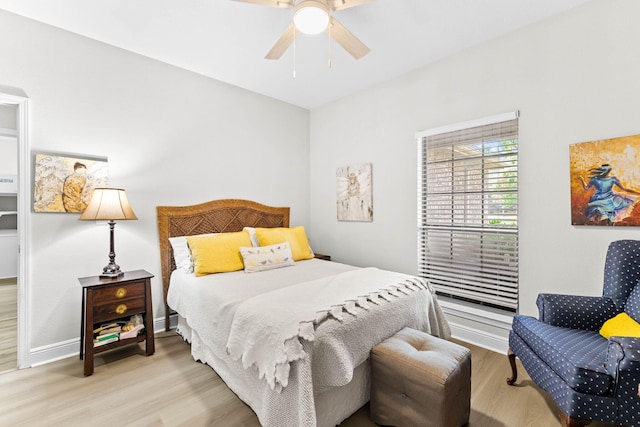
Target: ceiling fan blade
point(345, 4)
point(283, 42)
point(271, 3)
point(346, 39)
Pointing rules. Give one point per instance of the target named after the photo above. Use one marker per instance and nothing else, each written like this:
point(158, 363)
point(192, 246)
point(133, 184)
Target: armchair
point(589, 377)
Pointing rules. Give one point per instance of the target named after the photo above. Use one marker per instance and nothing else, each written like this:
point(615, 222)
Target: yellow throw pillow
point(296, 236)
point(218, 253)
point(620, 326)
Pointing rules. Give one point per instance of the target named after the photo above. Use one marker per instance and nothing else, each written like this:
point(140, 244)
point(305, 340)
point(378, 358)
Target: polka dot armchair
point(588, 376)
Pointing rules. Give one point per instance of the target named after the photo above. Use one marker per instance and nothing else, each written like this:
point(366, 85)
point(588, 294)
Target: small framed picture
point(353, 193)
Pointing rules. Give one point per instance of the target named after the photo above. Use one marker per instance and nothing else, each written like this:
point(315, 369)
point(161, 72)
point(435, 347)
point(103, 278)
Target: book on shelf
point(108, 328)
point(108, 331)
point(106, 337)
point(98, 343)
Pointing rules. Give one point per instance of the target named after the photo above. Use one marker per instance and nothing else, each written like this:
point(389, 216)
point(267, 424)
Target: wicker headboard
point(217, 216)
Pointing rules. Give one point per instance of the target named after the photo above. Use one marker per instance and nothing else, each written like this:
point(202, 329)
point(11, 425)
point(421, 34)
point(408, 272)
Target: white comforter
point(338, 318)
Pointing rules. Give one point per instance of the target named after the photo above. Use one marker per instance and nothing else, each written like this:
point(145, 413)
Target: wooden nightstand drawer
point(127, 307)
point(117, 293)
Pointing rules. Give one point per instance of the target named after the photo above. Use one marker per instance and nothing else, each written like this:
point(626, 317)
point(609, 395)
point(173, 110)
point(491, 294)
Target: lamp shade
point(108, 204)
point(311, 16)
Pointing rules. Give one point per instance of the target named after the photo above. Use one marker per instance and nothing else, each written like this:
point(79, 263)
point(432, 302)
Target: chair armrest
point(575, 311)
point(623, 364)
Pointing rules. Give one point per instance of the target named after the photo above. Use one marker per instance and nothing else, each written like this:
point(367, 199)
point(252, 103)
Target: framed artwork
point(353, 193)
point(605, 182)
point(66, 184)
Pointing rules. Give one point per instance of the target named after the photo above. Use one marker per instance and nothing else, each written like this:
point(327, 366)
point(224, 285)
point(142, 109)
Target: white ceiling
point(227, 40)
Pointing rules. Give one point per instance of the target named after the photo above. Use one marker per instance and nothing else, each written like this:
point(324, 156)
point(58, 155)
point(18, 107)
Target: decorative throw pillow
point(267, 257)
point(296, 236)
point(217, 253)
point(181, 253)
point(632, 307)
point(620, 326)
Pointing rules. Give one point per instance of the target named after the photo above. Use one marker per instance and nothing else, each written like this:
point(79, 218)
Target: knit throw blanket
point(267, 329)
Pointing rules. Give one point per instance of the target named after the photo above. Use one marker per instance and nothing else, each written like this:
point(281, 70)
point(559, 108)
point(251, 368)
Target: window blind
point(468, 211)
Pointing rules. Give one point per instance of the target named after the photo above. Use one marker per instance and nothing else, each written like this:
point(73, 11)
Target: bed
point(292, 343)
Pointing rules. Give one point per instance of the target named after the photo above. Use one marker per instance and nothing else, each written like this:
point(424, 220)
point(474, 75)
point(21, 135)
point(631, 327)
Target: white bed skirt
point(331, 407)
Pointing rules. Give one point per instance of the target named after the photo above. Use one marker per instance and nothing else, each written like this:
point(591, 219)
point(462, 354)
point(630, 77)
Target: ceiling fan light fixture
point(311, 16)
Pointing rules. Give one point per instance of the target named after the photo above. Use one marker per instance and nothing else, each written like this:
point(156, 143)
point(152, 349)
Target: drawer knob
point(121, 309)
point(121, 293)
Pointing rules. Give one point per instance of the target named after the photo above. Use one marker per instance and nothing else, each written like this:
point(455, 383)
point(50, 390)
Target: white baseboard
point(71, 348)
point(490, 319)
point(52, 352)
point(480, 338)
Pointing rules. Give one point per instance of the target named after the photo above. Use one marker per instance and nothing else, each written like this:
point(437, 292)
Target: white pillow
point(182, 253)
point(264, 258)
point(253, 236)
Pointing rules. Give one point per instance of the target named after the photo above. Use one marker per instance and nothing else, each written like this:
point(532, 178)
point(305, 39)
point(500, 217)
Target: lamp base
point(111, 275)
point(111, 271)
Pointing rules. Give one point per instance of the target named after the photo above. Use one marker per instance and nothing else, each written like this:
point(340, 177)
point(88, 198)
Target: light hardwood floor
point(170, 389)
point(8, 324)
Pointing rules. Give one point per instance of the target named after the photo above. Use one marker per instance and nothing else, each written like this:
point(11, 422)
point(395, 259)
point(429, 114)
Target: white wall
point(574, 78)
point(8, 155)
point(172, 137)
point(8, 117)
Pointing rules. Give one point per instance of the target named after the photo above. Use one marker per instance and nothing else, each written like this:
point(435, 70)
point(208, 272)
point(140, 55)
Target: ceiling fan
point(313, 17)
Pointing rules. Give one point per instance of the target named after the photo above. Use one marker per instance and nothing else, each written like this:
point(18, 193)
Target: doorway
point(15, 172)
point(8, 237)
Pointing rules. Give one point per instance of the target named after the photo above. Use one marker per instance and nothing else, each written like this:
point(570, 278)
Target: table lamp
point(109, 204)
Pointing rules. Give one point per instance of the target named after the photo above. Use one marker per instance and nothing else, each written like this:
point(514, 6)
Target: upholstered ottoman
point(420, 380)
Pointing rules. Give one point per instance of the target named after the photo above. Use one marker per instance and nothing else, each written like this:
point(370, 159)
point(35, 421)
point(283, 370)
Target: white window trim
point(479, 313)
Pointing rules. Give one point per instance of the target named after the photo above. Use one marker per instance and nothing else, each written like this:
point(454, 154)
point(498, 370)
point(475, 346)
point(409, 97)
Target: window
point(468, 210)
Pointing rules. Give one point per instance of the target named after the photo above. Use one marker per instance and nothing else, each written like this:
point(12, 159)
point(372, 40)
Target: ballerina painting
point(604, 178)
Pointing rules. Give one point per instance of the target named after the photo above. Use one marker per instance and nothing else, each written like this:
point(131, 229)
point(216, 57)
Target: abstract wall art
point(605, 182)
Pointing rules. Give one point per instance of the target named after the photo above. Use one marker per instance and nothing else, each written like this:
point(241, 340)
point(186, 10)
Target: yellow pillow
point(218, 253)
point(296, 236)
point(620, 326)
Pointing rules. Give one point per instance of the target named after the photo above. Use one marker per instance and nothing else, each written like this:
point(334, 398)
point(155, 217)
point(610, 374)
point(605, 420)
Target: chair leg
point(567, 421)
point(514, 370)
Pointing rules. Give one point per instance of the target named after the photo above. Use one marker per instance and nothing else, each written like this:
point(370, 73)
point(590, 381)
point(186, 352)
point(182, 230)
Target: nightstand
point(107, 300)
